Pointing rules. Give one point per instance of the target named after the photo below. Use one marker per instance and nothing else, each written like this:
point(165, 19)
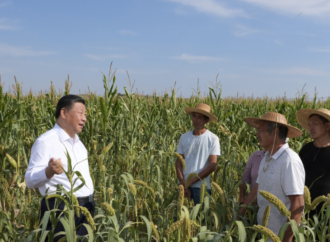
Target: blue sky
point(252, 47)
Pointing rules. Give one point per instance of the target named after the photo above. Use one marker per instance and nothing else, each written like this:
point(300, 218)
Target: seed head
point(265, 217)
point(132, 189)
point(276, 202)
point(75, 203)
point(60, 198)
point(183, 163)
point(142, 183)
point(180, 196)
point(174, 227)
point(11, 161)
point(88, 216)
point(307, 199)
point(220, 192)
point(186, 229)
point(265, 231)
point(154, 230)
point(110, 192)
point(317, 201)
point(108, 209)
point(202, 193)
point(189, 177)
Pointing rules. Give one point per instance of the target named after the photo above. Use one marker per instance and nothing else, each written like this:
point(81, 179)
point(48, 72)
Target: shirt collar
point(280, 151)
point(64, 135)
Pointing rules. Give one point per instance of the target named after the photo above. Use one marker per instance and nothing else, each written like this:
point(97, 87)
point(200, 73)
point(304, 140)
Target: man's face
point(316, 127)
point(265, 138)
point(199, 120)
point(75, 119)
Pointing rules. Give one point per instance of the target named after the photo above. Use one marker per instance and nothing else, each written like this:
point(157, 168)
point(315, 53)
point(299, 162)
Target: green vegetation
point(132, 142)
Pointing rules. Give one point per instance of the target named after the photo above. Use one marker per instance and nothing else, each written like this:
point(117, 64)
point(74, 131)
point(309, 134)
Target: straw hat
point(276, 118)
point(304, 114)
point(203, 109)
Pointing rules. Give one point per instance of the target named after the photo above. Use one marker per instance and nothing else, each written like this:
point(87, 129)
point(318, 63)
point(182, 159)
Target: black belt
point(83, 200)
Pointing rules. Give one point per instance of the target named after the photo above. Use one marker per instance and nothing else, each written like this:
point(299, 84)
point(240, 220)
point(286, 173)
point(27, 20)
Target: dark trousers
point(196, 194)
point(78, 220)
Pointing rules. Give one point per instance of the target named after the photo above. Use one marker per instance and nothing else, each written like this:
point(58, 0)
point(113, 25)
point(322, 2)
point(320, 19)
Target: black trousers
point(78, 220)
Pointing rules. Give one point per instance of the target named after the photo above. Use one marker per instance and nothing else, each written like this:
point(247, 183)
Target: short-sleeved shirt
point(196, 151)
point(284, 176)
point(317, 167)
point(251, 170)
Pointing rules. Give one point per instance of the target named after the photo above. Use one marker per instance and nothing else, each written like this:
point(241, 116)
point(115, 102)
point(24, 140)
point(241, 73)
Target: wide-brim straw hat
point(293, 132)
point(304, 114)
point(203, 109)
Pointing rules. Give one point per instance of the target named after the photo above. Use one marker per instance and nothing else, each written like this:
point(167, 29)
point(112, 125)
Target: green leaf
point(149, 230)
point(90, 232)
point(241, 231)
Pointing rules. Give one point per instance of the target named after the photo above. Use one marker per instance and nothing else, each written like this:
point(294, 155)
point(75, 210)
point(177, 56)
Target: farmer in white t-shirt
point(200, 149)
point(281, 172)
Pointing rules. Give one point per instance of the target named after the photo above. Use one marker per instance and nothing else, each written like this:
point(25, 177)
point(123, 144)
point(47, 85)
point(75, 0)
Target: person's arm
point(246, 178)
point(207, 171)
point(242, 191)
point(296, 209)
point(41, 167)
point(179, 174)
point(250, 199)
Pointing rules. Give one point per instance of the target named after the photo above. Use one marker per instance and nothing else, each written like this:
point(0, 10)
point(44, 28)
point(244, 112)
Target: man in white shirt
point(281, 172)
point(49, 155)
point(200, 148)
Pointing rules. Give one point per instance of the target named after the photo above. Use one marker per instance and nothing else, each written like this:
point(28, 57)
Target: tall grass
point(133, 138)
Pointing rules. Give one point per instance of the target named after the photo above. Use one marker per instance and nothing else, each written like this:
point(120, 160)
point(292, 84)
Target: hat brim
point(303, 116)
point(197, 110)
point(293, 132)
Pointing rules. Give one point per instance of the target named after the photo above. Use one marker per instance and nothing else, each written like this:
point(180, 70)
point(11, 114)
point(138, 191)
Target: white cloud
point(187, 57)
point(93, 69)
point(5, 4)
point(242, 31)
point(127, 32)
point(303, 71)
point(296, 7)
point(212, 7)
point(105, 57)
point(6, 70)
point(323, 50)
point(278, 42)
point(94, 57)
point(22, 51)
point(298, 71)
point(5, 26)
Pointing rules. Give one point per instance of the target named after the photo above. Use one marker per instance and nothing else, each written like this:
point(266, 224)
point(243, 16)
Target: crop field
point(131, 141)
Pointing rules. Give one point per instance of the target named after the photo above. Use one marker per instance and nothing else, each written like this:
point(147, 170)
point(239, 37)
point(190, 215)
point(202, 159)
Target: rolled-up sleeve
point(35, 175)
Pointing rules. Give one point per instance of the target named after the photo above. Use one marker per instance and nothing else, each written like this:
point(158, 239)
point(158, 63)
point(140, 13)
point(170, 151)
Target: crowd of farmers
point(276, 168)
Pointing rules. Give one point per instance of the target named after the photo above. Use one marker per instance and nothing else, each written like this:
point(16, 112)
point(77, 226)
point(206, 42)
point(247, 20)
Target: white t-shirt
point(196, 151)
point(284, 176)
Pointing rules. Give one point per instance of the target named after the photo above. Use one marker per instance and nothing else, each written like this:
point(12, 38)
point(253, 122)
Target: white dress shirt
point(54, 143)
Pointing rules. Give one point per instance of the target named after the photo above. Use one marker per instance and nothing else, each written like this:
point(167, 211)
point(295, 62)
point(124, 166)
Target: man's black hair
point(283, 130)
point(67, 102)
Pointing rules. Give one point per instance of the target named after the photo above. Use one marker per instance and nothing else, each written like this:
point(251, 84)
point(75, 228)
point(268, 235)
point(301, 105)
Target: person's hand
point(183, 183)
point(241, 211)
point(54, 167)
point(187, 193)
